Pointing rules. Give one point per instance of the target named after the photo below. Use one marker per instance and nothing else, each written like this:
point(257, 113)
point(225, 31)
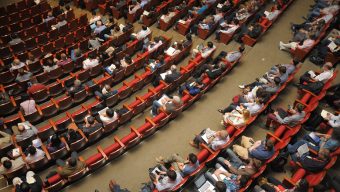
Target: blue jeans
point(155, 106)
point(234, 160)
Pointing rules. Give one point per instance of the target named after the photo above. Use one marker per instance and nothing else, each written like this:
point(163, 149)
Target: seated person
point(169, 15)
point(107, 116)
point(154, 45)
point(167, 104)
point(31, 59)
point(59, 24)
point(15, 40)
point(157, 63)
point(227, 28)
point(273, 184)
point(252, 106)
point(235, 55)
point(49, 65)
point(7, 165)
point(273, 12)
point(188, 40)
point(143, 33)
point(194, 87)
point(290, 67)
point(174, 49)
point(236, 166)
point(90, 125)
point(172, 74)
point(186, 20)
point(72, 136)
point(214, 139)
point(23, 75)
point(35, 87)
point(49, 17)
point(115, 33)
point(261, 150)
point(75, 88)
point(33, 183)
point(236, 118)
point(207, 23)
point(290, 117)
point(75, 54)
point(169, 181)
point(34, 154)
point(27, 106)
point(107, 91)
point(205, 51)
point(305, 44)
point(310, 76)
point(233, 182)
point(71, 166)
point(307, 160)
point(54, 143)
point(179, 164)
point(17, 64)
point(94, 42)
point(63, 60)
point(99, 27)
point(90, 62)
point(242, 13)
point(199, 10)
point(134, 7)
point(26, 130)
point(126, 61)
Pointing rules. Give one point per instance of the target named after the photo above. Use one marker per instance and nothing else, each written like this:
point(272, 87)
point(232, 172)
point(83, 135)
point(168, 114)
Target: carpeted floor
point(130, 170)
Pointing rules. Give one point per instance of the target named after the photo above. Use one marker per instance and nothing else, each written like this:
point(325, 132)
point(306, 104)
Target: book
point(332, 46)
point(324, 114)
point(207, 135)
point(302, 150)
point(25, 125)
point(163, 99)
point(207, 187)
point(165, 73)
point(16, 152)
point(170, 51)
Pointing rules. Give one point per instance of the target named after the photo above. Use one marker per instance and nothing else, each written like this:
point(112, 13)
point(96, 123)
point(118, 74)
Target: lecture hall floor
point(131, 169)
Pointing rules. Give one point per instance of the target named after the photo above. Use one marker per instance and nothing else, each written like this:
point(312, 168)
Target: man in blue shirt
point(262, 150)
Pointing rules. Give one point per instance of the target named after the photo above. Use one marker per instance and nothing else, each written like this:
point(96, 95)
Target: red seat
point(126, 116)
point(115, 149)
point(8, 107)
point(55, 88)
point(80, 96)
point(111, 126)
point(64, 103)
point(7, 77)
point(55, 73)
point(95, 161)
point(49, 109)
point(42, 78)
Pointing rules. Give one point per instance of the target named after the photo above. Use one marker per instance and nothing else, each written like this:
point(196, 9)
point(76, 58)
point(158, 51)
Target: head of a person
point(282, 69)
point(241, 48)
point(192, 158)
point(246, 114)
point(77, 83)
point(172, 175)
point(72, 133)
point(300, 108)
point(210, 44)
point(173, 68)
point(63, 56)
point(92, 56)
point(67, 7)
point(77, 52)
point(128, 59)
point(32, 150)
point(327, 66)
point(107, 87)
point(25, 97)
point(72, 162)
point(223, 134)
point(25, 187)
point(99, 23)
point(16, 62)
point(144, 28)
point(277, 80)
point(176, 100)
point(324, 154)
point(90, 120)
point(21, 128)
point(220, 186)
point(110, 112)
point(55, 140)
point(242, 180)
point(50, 14)
point(188, 37)
point(269, 145)
point(7, 164)
point(295, 61)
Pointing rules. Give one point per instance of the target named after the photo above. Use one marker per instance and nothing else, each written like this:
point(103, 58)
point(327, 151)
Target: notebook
point(207, 135)
point(324, 114)
point(163, 99)
point(302, 150)
point(170, 51)
point(207, 187)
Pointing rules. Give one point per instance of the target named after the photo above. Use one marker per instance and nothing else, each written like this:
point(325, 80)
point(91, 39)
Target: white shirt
point(272, 15)
point(107, 120)
point(134, 9)
point(28, 106)
point(166, 18)
point(308, 43)
point(143, 33)
point(253, 108)
point(14, 67)
point(154, 46)
point(324, 76)
point(334, 121)
point(38, 155)
point(231, 29)
point(207, 51)
point(89, 63)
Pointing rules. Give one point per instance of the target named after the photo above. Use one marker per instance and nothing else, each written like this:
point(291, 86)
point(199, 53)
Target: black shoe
point(220, 110)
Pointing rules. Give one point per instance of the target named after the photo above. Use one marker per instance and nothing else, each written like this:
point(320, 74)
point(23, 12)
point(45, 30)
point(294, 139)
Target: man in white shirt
point(143, 33)
point(167, 17)
point(310, 76)
point(234, 55)
point(154, 45)
point(133, 8)
point(205, 51)
point(90, 62)
point(107, 116)
point(17, 64)
point(171, 180)
point(34, 154)
point(307, 44)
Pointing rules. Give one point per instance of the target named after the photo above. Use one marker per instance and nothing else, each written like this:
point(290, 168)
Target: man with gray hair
point(77, 87)
point(172, 74)
point(167, 104)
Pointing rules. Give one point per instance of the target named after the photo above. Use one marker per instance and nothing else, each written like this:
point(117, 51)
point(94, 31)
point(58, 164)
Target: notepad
point(207, 135)
point(170, 51)
point(324, 114)
point(302, 150)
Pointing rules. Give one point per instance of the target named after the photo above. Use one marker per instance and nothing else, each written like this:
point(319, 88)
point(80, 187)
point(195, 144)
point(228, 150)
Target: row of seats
point(78, 117)
point(302, 53)
point(234, 133)
point(152, 124)
point(266, 24)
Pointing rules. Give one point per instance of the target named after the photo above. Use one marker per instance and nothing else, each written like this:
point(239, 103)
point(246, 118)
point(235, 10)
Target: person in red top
point(36, 87)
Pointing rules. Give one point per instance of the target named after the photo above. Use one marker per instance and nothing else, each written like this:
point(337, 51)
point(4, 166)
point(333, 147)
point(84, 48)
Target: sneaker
point(241, 86)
